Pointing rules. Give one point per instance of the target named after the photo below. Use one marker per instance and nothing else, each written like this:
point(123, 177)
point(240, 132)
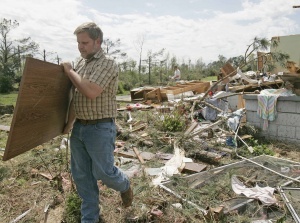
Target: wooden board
point(194, 168)
point(198, 87)
point(228, 69)
point(253, 86)
point(41, 107)
point(131, 154)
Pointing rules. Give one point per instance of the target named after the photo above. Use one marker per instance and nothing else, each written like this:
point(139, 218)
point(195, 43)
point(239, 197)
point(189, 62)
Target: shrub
point(6, 84)
point(72, 212)
point(120, 88)
point(4, 173)
point(173, 123)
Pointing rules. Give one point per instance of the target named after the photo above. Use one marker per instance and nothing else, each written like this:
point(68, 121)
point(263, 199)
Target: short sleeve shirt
point(177, 74)
point(104, 72)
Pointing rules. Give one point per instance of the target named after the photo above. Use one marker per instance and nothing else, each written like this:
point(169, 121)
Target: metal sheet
point(41, 107)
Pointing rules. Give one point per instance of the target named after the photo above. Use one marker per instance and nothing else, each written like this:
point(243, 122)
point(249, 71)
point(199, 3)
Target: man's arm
point(84, 86)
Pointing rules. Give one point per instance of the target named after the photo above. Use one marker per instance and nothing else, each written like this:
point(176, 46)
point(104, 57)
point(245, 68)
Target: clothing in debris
point(267, 100)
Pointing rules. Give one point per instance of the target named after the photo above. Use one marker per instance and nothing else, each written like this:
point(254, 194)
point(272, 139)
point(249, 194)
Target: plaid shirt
point(104, 72)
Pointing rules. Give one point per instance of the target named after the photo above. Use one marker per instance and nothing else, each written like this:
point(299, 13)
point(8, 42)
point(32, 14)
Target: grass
point(8, 99)
point(210, 78)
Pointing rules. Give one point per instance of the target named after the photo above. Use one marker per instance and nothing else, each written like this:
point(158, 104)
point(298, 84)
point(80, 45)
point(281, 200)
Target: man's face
point(87, 46)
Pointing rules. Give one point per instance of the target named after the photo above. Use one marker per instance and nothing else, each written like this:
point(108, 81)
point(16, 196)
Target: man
point(176, 76)
point(91, 115)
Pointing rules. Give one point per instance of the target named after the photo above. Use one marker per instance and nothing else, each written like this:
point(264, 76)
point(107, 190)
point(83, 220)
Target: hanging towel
point(267, 100)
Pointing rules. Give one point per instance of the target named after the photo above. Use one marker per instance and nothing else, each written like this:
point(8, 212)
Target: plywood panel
point(198, 87)
point(41, 107)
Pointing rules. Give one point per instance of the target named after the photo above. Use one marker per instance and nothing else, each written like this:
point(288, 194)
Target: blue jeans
point(92, 159)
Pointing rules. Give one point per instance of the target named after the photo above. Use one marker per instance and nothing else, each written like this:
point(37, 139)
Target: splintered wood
point(41, 107)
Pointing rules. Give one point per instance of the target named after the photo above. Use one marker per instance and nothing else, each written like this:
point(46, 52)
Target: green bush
point(120, 88)
point(4, 173)
point(260, 148)
point(6, 84)
point(173, 123)
point(72, 212)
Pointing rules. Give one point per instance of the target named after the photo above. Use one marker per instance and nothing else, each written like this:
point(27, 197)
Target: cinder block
point(285, 127)
point(252, 116)
point(298, 108)
point(292, 119)
point(287, 131)
point(287, 106)
point(233, 102)
point(272, 129)
point(251, 105)
point(298, 133)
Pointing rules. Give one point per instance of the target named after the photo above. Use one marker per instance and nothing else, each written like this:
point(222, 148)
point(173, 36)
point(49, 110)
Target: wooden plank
point(137, 153)
point(198, 87)
point(131, 154)
point(139, 93)
point(202, 88)
point(228, 69)
point(193, 168)
point(41, 107)
point(154, 94)
point(192, 126)
point(260, 61)
point(251, 86)
point(241, 102)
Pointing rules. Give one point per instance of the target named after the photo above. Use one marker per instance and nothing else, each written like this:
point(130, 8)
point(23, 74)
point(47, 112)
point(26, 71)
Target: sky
point(187, 29)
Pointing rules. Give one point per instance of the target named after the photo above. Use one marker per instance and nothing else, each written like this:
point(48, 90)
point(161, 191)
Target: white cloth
point(264, 194)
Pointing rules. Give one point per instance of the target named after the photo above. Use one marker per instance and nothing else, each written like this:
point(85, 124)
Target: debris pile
point(187, 138)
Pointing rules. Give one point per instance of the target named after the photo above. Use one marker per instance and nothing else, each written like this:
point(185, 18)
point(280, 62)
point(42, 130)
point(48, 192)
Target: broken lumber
point(210, 155)
point(191, 128)
point(140, 141)
point(212, 106)
point(137, 153)
point(131, 154)
point(194, 167)
point(208, 127)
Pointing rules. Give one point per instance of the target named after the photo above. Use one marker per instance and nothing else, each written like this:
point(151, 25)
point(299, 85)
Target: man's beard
point(95, 50)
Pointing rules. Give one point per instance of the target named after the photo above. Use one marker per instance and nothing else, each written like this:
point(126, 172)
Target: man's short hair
point(92, 29)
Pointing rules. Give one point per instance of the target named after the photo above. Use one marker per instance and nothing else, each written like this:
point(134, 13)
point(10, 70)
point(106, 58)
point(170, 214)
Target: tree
point(269, 58)
point(48, 56)
point(139, 46)
point(151, 60)
point(112, 49)
point(257, 44)
point(236, 61)
point(11, 54)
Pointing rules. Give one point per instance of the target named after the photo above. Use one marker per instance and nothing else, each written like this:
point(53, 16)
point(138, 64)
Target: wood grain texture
point(41, 107)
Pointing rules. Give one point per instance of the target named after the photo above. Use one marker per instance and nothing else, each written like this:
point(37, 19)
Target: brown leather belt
point(93, 122)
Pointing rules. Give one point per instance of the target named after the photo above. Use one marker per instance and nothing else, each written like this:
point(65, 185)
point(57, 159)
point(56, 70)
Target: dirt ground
point(34, 186)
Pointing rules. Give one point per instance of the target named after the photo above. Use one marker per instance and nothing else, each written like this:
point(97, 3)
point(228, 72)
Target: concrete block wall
point(286, 126)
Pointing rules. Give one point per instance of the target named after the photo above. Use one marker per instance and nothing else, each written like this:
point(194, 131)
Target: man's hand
point(67, 67)
point(68, 127)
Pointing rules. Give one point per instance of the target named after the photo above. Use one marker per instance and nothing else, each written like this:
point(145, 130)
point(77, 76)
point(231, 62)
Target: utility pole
point(57, 59)
point(149, 60)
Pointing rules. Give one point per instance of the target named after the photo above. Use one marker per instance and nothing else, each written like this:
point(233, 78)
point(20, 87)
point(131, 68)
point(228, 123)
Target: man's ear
point(99, 41)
